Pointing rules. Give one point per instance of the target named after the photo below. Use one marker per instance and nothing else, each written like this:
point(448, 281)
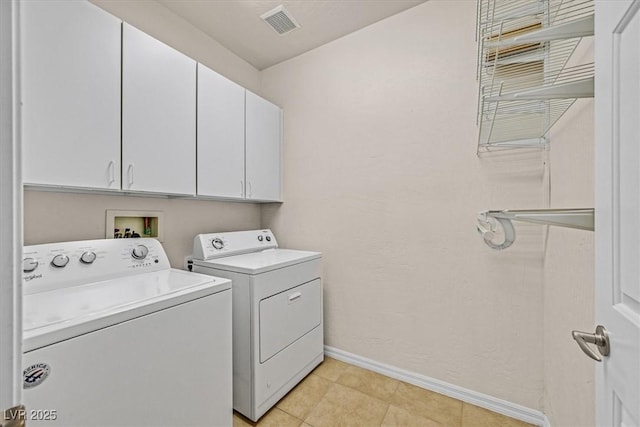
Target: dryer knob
point(260, 238)
point(268, 238)
point(29, 264)
point(88, 257)
point(217, 243)
point(60, 261)
point(140, 252)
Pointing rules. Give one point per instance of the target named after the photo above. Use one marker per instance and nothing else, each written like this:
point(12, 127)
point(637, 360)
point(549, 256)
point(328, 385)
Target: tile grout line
point(384, 417)
point(385, 401)
point(319, 400)
point(333, 382)
point(304, 420)
point(390, 400)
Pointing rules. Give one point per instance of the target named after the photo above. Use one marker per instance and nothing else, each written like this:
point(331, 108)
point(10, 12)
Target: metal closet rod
point(582, 219)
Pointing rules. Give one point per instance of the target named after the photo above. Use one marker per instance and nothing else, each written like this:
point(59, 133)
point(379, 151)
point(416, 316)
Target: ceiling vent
point(280, 20)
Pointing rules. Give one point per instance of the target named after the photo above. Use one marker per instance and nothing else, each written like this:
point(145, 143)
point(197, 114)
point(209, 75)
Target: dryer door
point(287, 316)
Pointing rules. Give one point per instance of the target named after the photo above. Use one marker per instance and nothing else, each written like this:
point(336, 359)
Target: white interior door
point(10, 215)
point(618, 209)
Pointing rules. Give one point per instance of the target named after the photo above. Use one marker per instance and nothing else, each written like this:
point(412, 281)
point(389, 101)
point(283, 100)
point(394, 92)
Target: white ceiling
point(236, 24)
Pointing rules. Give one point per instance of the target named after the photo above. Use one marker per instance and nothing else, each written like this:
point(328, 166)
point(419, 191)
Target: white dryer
point(114, 336)
point(277, 313)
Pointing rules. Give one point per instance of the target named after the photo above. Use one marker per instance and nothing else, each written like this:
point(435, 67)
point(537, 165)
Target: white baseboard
point(484, 401)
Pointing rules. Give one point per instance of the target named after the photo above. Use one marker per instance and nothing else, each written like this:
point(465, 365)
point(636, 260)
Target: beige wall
point(51, 217)
point(59, 217)
point(569, 390)
point(381, 176)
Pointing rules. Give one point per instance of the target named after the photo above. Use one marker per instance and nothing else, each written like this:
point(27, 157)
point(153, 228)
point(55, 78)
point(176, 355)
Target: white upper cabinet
point(239, 141)
point(70, 93)
point(263, 149)
point(220, 136)
point(106, 106)
point(158, 116)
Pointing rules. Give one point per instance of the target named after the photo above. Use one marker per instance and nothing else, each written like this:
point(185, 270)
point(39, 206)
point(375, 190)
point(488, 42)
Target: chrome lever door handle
point(600, 339)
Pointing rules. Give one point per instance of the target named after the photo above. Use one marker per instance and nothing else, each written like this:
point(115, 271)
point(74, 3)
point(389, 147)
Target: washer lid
point(259, 262)
point(59, 314)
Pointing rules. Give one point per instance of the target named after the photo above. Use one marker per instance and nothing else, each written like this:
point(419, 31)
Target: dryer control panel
point(54, 265)
point(217, 245)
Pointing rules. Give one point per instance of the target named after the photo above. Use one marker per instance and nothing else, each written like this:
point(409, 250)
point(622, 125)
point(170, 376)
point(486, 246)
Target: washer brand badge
point(35, 374)
point(30, 277)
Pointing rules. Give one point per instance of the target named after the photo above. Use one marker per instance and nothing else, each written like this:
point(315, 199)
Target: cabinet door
point(263, 149)
point(70, 94)
point(220, 135)
point(158, 116)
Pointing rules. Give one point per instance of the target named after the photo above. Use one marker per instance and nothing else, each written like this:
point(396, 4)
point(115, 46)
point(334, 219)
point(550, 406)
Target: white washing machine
point(277, 313)
point(115, 337)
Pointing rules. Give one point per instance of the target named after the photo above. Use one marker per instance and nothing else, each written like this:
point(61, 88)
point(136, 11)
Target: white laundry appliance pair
point(114, 336)
point(277, 312)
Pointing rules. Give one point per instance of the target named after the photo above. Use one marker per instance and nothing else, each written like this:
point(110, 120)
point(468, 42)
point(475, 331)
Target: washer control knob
point(140, 252)
point(29, 264)
point(88, 257)
point(60, 261)
point(260, 238)
point(268, 238)
point(217, 243)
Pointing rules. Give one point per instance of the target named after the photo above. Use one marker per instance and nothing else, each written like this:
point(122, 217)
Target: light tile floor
point(339, 394)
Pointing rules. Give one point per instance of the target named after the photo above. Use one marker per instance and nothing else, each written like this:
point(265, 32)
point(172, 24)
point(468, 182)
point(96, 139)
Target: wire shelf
point(525, 85)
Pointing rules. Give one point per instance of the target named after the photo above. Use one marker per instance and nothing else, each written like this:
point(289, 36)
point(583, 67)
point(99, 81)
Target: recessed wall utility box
point(132, 224)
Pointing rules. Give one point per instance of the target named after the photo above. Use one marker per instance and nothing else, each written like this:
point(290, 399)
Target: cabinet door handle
point(112, 172)
point(250, 189)
point(130, 173)
point(295, 297)
point(241, 188)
